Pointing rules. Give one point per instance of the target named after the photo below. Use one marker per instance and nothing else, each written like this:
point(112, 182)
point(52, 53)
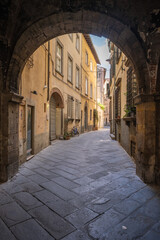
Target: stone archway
point(56, 93)
point(25, 25)
point(87, 22)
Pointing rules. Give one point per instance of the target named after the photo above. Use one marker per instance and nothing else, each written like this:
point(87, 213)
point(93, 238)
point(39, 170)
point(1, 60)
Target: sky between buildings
point(101, 46)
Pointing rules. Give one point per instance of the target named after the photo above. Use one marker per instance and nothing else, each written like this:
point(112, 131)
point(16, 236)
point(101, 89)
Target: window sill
point(59, 73)
point(69, 81)
point(78, 50)
point(70, 119)
point(78, 88)
point(130, 120)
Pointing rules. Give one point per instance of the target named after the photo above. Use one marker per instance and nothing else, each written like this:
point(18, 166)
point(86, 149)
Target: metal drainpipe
point(48, 70)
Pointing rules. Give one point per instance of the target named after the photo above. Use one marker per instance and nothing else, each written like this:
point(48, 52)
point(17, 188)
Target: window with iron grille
point(131, 87)
point(77, 109)
point(118, 102)
point(70, 107)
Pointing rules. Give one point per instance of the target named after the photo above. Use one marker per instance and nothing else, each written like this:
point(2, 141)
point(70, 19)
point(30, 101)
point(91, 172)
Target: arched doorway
point(56, 114)
point(86, 117)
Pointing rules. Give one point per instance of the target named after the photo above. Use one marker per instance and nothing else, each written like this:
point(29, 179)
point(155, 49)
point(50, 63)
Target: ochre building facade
point(89, 85)
point(123, 89)
point(56, 97)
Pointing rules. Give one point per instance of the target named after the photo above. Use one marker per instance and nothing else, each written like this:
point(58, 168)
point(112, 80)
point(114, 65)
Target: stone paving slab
point(12, 214)
point(5, 198)
point(30, 230)
point(53, 223)
point(84, 188)
point(61, 207)
point(65, 183)
point(77, 235)
point(26, 200)
point(81, 217)
point(5, 233)
point(58, 190)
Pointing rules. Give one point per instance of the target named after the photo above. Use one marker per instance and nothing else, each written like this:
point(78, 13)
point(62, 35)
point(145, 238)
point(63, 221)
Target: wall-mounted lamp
point(45, 86)
point(34, 92)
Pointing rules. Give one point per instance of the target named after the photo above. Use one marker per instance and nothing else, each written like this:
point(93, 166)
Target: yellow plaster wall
point(60, 81)
point(92, 76)
point(34, 78)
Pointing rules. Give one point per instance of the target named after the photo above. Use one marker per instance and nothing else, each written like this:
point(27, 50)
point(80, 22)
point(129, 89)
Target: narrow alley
point(83, 188)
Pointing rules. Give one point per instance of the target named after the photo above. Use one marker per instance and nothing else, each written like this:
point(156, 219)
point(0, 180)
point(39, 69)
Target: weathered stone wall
point(146, 141)
point(125, 136)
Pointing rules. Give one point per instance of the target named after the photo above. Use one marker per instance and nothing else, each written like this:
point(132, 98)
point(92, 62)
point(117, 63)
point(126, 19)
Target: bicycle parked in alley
point(74, 131)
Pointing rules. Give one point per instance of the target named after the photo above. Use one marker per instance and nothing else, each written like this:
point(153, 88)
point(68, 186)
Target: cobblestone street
point(83, 188)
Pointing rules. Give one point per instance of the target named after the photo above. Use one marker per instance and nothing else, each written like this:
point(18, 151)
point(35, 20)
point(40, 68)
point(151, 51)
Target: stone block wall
point(125, 136)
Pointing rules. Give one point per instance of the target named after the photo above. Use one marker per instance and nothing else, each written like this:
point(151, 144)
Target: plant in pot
point(130, 111)
point(66, 136)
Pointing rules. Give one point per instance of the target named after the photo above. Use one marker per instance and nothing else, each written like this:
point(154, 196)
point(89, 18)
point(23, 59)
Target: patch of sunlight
point(107, 140)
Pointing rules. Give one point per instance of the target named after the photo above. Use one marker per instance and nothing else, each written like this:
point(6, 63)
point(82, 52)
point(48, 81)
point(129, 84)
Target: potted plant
point(130, 111)
point(66, 136)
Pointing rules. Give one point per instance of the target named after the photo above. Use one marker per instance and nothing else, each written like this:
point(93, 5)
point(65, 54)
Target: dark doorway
point(29, 130)
point(85, 118)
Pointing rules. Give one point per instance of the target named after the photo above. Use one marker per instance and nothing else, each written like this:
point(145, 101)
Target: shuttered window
point(70, 107)
point(77, 109)
point(86, 83)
